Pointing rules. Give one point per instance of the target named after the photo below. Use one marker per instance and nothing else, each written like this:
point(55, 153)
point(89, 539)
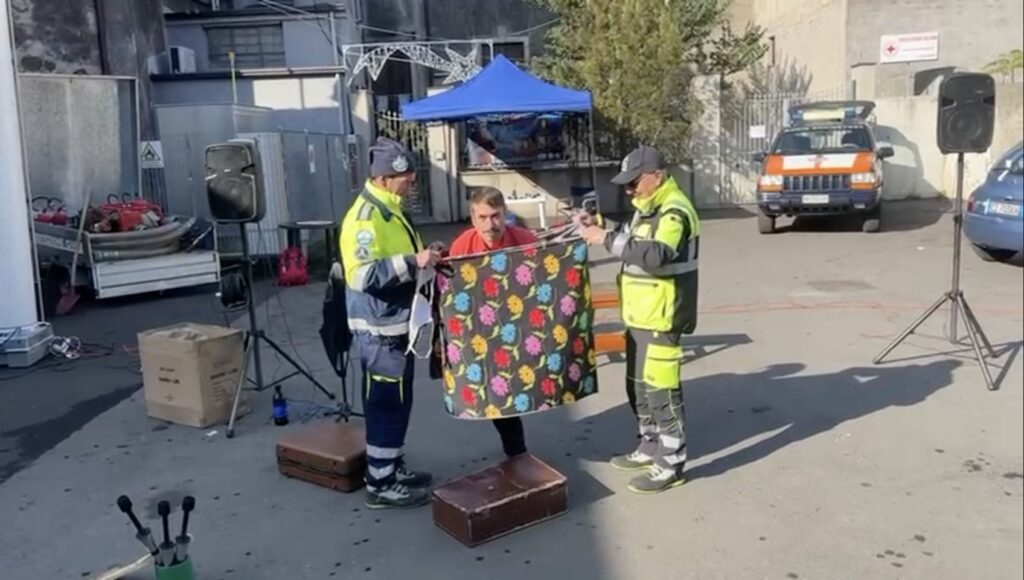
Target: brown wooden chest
point(332, 455)
point(499, 500)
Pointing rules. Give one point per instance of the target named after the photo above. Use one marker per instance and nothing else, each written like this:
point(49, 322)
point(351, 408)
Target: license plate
point(1010, 209)
point(820, 198)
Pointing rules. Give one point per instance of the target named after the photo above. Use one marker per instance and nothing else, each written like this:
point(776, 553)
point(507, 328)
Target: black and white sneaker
point(395, 496)
point(410, 478)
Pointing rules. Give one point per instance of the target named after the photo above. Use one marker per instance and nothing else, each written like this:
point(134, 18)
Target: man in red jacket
point(490, 232)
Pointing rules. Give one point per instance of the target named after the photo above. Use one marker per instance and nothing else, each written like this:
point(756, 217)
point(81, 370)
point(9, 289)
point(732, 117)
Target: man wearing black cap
point(658, 296)
point(381, 254)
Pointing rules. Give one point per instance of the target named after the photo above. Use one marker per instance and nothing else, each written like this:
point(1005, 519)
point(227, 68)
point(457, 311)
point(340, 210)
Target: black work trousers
point(513, 437)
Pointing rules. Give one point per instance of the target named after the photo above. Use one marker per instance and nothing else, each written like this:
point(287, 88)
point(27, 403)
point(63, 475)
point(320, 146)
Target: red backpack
point(293, 271)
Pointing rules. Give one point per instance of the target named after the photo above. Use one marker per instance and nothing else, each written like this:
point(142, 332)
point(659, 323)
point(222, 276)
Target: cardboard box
point(190, 372)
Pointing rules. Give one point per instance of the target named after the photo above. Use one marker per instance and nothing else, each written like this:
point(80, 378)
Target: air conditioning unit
point(181, 60)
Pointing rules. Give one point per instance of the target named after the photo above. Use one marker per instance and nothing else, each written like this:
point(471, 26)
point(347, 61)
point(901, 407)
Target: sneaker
point(632, 461)
point(395, 495)
point(410, 478)
point(657, 479)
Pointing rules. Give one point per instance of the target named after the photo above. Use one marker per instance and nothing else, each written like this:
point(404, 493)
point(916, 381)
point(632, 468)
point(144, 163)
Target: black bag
point(334, 331)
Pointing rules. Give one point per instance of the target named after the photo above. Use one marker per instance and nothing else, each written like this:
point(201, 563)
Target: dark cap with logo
point(643, 159)
point(388, 158)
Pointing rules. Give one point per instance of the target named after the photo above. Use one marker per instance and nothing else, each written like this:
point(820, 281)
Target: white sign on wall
point(908, 47)
point(151, 155)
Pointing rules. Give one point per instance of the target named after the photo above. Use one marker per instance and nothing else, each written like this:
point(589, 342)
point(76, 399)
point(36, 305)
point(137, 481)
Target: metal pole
point(593, 156)
point(234, 81)
point(342, 101)
point(18, 307)
point(254, 332)
point(958, 224)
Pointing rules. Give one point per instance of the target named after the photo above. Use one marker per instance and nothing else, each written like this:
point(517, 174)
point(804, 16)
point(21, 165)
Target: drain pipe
point(18, 306)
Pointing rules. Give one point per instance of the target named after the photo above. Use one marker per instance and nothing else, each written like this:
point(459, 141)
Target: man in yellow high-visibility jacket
point(658, 297)
point(381, 254)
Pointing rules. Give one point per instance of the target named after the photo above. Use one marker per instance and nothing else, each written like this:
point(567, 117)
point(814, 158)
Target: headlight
point(770, 181)
point(863, 178)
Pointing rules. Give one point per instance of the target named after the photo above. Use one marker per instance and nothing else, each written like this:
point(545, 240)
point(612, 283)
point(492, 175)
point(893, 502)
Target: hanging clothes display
point(517, 331)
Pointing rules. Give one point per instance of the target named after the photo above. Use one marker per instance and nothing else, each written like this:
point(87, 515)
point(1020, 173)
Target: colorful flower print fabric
point(517, 331)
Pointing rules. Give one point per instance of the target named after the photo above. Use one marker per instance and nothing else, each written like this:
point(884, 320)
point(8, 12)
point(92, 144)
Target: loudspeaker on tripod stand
point(234, 182)
point(966, 121)
point(234, 189)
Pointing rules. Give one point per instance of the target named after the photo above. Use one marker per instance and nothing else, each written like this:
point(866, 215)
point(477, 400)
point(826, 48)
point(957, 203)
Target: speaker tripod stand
point(954, 296)
point(253, 337)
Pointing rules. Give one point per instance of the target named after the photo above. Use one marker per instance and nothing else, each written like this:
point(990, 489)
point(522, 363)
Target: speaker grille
point(966, 113)
point(233, 185)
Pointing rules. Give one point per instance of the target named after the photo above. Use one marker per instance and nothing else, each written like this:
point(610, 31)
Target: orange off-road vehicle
point(826, 161)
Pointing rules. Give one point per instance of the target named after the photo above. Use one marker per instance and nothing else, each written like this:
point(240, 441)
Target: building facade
point(836, 46)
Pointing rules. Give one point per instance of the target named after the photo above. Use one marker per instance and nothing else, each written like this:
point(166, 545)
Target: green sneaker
point(396, 496)
point(632, 462)
point(656, 480)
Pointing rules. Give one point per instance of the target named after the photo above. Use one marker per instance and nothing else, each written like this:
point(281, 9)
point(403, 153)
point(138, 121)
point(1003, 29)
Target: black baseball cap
point(643, 159)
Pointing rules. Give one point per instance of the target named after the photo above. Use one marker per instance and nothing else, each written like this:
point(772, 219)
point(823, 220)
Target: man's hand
point(582, 218)
point(594, 235)
point(427, 258)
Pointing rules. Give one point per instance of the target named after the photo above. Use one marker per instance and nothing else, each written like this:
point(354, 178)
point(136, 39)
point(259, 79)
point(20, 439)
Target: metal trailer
point(197, 265)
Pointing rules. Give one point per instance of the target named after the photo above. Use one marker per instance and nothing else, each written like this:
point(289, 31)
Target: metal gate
point(414, 137)
point(749, 124)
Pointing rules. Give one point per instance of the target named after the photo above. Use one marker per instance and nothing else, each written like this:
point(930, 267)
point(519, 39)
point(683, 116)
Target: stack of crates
point(25, 346)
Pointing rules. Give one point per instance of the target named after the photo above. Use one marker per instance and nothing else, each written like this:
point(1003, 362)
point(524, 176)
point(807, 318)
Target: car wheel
point(765, 223)
point(872, 220)
point(993, 254)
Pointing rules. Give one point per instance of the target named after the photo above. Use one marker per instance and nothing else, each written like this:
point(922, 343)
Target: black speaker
point(234, 182)
point(967, 113)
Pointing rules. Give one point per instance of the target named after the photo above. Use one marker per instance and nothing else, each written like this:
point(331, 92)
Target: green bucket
point(179, 571)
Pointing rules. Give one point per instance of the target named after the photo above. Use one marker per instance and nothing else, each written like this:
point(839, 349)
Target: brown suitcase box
point(331, 455)
point(499, 500)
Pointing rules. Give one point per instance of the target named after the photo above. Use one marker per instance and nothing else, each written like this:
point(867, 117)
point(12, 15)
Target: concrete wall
point(908, 123)
point(809, 39)
point(822, 44)
point(971, 34)
point(80, 137)
point(133, 31)
point(56, 36)
point(1009, 117)
point(919, 169)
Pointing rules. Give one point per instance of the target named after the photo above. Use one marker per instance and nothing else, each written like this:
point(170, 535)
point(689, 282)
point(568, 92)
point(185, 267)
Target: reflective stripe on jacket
point(659, 250)
point(378, 247)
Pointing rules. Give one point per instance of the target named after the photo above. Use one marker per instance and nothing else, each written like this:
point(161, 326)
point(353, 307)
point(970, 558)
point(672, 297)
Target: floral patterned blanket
point(517, 331)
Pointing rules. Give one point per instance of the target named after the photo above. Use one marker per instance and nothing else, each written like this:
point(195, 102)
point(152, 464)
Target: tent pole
point(593, 152)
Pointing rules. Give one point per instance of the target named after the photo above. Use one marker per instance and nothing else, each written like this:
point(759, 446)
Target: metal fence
point(749, 124)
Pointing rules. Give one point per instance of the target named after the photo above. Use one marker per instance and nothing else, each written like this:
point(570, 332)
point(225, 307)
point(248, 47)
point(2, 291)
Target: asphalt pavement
point(806, 460)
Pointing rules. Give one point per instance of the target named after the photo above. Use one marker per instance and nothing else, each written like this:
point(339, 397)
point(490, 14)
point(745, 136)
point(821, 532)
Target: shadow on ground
point(897, 216)
point(776, 407)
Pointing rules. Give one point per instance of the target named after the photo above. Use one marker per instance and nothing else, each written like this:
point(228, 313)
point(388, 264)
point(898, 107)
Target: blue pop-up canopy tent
point(503, 88)
point(500, 88)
